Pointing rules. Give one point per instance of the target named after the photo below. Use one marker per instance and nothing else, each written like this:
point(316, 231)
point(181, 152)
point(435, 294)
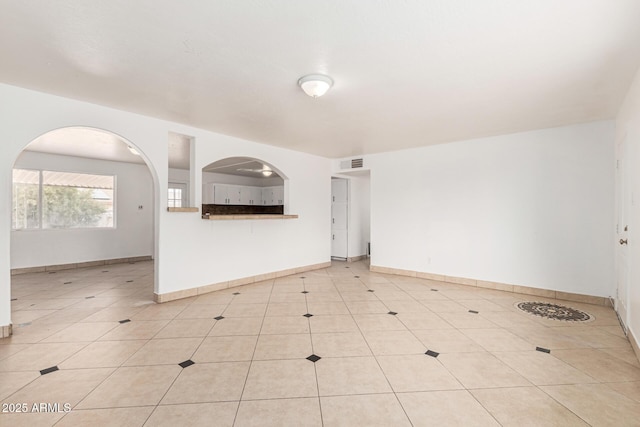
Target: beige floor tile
point(599, 365)
point(551, 338)
point(378, 322)
point(34, 333)
point(322, 308)
point(482, 305)
point(630, 390)
point(290, 346)
point(366, 307)
point(542, 368)
point(216, 298)
point(40, 356)
point(374, 410)
point(135, 330)
point(79, 332)
point(11, 382)
point(237, 326)
point(288, 297)
point(117, 417)
point(343, 344)
point(286, 309)
point(132, 386)
point(525, 406)
point(63, 386)
point(445, 408)
point(350, 375)
point(159, 312)
point(183, 328)
point(332, 323)
point(167, 351)
point(26, 316)
point(246, 310)
point(324, 297)
point(595, 337)
point(274, 379)
point(596, 404)
point(417, 373)
point(467, 320)
point(444, 305)
point(197, 414)
point(406, 307)
point(625, 354)
point(420, 321)
point(201, 311)
point(447, 341)
point(613, 330)
point(208, 382)
point(113, 314)
point(511, 319)
point(103, 354)
point(497, 340)
point(481, 370)
point(30, 419)
point(279, 412)
point(285, 325)
point(7, 350)
point(357, 293)
point(393, 342)
point(226, 349)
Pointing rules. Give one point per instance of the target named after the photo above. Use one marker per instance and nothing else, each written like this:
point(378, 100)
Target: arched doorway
point(83, 232)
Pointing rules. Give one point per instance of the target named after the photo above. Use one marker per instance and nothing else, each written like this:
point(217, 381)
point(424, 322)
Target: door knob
point(623, 242)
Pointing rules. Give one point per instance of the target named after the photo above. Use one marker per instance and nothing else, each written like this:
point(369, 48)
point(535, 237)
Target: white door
point(623, 206)
point(339, 218)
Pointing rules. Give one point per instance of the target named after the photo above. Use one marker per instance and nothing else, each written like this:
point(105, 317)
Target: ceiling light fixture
point(133, 150)
point(266, 170)
point(315, 85)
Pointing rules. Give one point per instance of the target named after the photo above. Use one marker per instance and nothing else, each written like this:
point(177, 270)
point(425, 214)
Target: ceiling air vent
point(351, 164)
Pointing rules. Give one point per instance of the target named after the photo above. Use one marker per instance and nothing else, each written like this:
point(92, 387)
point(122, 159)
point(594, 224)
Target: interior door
point(623, 200)
point(339, 218)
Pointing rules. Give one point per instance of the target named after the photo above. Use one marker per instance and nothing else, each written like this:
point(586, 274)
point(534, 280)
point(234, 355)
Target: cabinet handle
point(333, 220)
point(333, 237)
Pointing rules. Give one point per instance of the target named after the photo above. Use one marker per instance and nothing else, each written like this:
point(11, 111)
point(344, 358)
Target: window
point(176, 196)
point(47, 200)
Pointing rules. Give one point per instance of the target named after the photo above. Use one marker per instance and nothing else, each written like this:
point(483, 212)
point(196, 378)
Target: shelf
point(255, 216)
point(194, 209)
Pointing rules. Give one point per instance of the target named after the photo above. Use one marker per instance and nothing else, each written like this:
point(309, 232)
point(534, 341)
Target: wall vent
point(351, 164)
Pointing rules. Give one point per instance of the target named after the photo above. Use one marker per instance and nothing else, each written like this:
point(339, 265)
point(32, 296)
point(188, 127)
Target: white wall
point(628, 127)
point(533, 209)
point(189, 251)
point(132, 236)
point(359, 212)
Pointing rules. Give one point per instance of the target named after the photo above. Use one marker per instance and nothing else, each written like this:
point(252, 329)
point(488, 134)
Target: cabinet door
point(245, 196)
point(278, 195)
point(233, 194)
point(267, 196)
point(207, 194)
point(256, 195)
point(220, 194)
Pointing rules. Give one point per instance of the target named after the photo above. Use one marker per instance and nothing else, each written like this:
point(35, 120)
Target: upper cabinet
point(243, 195)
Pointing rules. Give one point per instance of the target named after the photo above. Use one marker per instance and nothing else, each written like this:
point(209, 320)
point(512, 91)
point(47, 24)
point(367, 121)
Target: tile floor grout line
point(246, 378)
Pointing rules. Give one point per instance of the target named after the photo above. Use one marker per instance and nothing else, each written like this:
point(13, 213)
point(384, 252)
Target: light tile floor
point(118, 354)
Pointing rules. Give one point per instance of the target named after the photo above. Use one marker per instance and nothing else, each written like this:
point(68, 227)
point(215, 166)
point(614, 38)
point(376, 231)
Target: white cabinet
point(226, 194)
point(272, 196)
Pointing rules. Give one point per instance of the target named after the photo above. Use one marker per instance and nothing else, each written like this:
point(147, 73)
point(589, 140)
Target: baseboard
point(60, 267)
point(547, 293)
point(356, 258)
point(6, 331)
point(634, 343)
point(191, 292)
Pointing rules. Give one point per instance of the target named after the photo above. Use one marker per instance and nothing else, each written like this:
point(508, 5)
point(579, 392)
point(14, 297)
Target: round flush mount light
point(315, 85)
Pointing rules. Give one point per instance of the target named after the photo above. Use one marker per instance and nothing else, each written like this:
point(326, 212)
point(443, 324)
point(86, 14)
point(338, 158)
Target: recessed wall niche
point(181, 186)
point(242, 186)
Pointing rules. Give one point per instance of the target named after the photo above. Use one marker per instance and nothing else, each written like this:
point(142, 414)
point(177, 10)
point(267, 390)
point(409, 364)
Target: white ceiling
point(407, 73)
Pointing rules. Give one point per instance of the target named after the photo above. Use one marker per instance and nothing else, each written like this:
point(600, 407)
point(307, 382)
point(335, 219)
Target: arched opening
point(82, 232)
point(243, 185)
